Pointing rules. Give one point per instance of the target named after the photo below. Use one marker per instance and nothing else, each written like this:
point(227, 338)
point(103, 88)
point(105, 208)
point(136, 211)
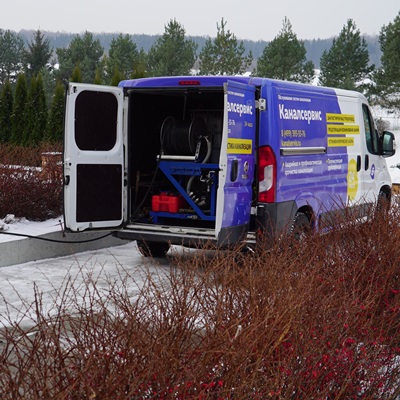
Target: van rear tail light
point(266, 175)
point(191, 82)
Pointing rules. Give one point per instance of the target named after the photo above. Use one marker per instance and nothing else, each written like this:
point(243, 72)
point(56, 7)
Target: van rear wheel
point(153, 249)
point(301, 227)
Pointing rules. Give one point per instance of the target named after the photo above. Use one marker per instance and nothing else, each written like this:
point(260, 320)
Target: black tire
point(382, 204)
point(153, 249)
point(301, 227)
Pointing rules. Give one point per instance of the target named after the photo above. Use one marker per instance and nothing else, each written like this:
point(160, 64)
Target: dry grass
point(312, 320)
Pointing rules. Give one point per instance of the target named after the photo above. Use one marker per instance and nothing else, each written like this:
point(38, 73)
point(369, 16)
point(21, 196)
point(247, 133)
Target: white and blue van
point(188, 160)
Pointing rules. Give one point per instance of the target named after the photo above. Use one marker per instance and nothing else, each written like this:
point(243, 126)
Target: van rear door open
point(237, 163)
point(93, 157)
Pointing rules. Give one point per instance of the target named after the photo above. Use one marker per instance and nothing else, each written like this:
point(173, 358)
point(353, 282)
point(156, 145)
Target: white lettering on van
point(298, 114)
point(334, 164)
point(238, 94)
point(239, 108)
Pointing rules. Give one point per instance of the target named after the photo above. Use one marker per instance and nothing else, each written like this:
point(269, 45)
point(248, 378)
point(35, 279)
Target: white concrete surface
point(32, 249)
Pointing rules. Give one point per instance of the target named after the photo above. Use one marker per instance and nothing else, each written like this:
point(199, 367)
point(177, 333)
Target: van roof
point(218, 81)
point(173, 81)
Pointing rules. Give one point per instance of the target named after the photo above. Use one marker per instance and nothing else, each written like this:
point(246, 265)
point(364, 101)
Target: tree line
point(314, 47)
point(31, 79)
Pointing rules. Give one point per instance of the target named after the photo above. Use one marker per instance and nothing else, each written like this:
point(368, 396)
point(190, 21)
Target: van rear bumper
point(272, 219)
point(191, 237)
point(275, 218)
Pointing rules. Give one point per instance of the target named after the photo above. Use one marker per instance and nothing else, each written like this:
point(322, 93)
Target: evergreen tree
point(224, 55)
point(285, 58)
point(346, 64)
point(140, 68)
point(49, 82)
point(19, 110)
point(38, 54)
point(116, 77)
point(29, 116)
point(11, 56)
point(6, 109)
point(76, 75)
point(84, 51)
point(171, 54)
point(55, 128)
point(36, 113)
point(97, 77)
point(123, 54)
point(387, 78)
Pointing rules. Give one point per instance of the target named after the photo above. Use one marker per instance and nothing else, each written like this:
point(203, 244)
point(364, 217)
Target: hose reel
point(183, 140)
point(179, 137)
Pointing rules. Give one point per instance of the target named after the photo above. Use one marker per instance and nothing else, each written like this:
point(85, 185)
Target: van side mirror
point(388, 144)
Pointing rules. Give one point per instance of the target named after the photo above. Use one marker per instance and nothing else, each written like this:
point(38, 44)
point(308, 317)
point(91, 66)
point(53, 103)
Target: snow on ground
point(49, 275)
point(103, 266)
point(11, 224)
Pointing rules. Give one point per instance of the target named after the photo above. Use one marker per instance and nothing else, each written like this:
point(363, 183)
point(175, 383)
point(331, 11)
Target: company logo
point(239, 108)
point(299, 114)
point(372, 174)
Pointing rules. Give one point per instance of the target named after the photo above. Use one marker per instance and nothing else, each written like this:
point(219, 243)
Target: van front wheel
point(153, 249)
point(382, 204)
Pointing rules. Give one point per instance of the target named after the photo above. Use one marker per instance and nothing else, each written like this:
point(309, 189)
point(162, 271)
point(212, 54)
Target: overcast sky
point(247, 19)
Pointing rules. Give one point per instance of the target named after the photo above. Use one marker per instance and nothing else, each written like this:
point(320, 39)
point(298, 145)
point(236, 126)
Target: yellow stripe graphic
point(340, 141)
point(239, 146)
point(343, 129)
point(343, 118)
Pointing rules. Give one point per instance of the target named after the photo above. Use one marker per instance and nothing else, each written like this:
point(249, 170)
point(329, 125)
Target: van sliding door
point(93, 157)
point(237, 163)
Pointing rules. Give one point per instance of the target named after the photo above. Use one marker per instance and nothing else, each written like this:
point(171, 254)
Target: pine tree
point(19, 110)
point(6, 109)
point(171, 54)
point(346, 64)
point(285, 58)
point(84, 51)
point(55, 129)
point(387, 78)
point(123, 54)
point(224, 55)
point(38, 54)
point(139, 70)
point(11, 56)
point(49, 82)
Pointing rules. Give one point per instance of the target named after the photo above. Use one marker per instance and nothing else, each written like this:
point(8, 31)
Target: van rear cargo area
point(174, 142)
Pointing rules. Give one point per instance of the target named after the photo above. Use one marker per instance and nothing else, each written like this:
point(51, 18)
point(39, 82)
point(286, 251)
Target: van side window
point(371, 134)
